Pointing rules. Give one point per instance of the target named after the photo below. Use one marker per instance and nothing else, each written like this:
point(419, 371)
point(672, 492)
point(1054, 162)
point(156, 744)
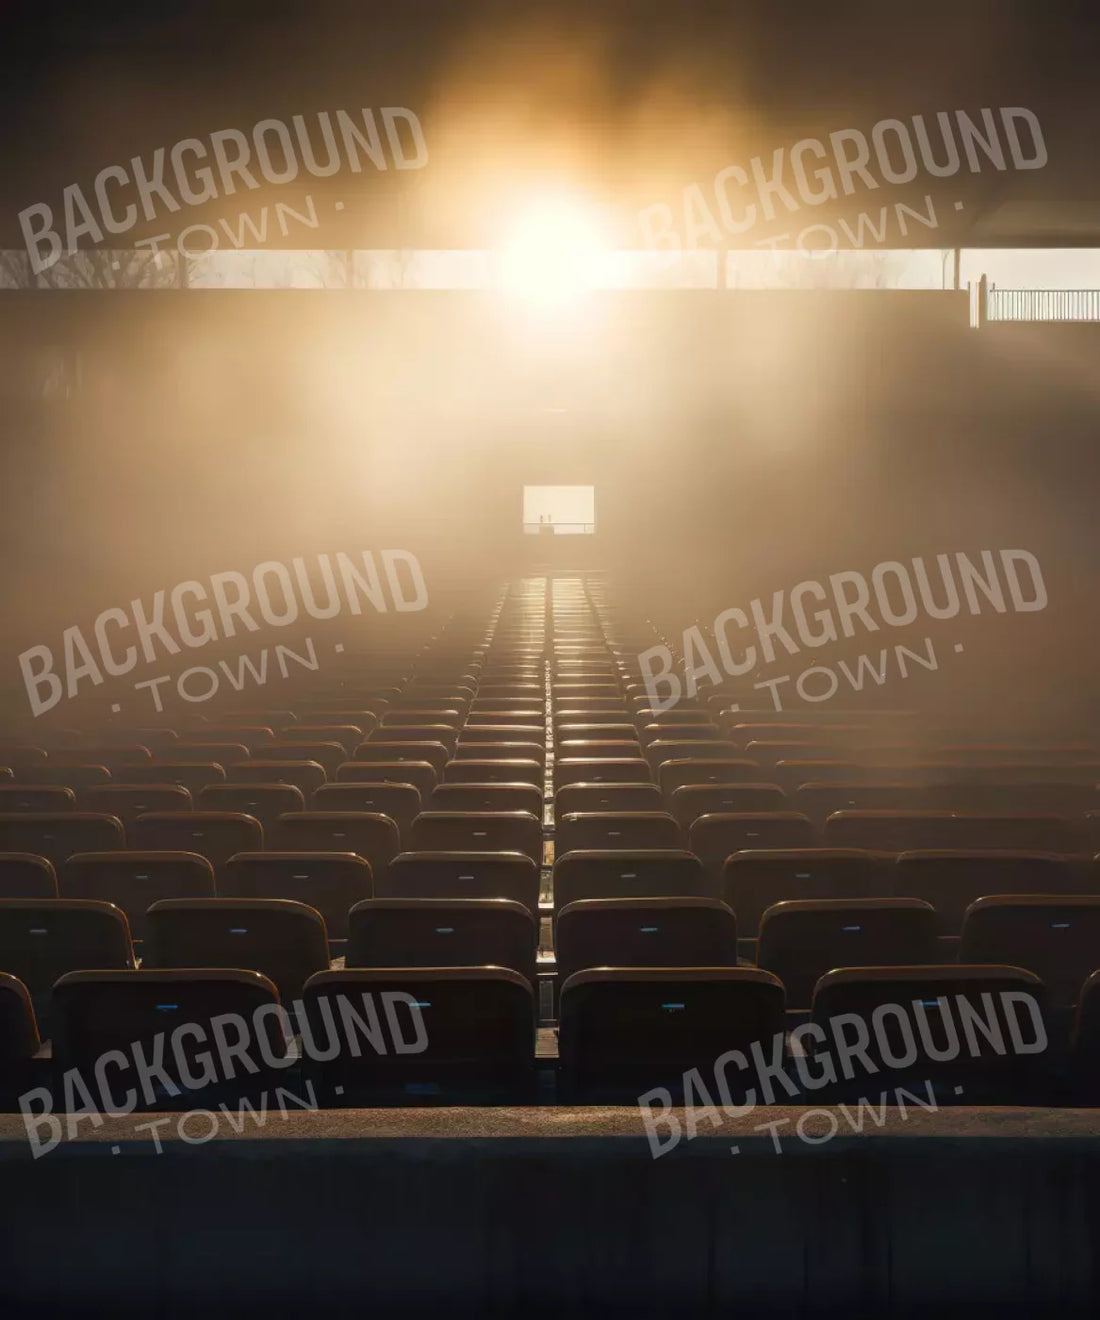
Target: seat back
point(57, 835)
point(279, 938)
point(801, 940)
point(644, 932)
point(137, 1014)
point(423, 1036)
point(215, 835)
point(691, 801)
point(902, 831)
point(402, 802)
point(974, 1034)
point(26, 799)
point(952, 880)
point(263, 802)
point(638, 1029)
point(305, 776)
point(447, 875)
point(471, 831)
point(607, 797)
point(714, 837)
point(624, 831)
point(23, 875)
point(369, 835)
point(755, 879)
point(422, 776)
point(19, 1041)
point(487, 797)
point(457, 932)
point(1056, 937)
point(330, 882)
point(42, 939)
point(134, 881)
point(607, 873)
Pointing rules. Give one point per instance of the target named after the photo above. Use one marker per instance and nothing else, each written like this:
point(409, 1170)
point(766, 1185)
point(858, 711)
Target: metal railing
point(1042, 304)
point(559, 528)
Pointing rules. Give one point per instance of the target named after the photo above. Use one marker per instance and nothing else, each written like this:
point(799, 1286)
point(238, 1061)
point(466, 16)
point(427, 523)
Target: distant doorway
point(559, 510)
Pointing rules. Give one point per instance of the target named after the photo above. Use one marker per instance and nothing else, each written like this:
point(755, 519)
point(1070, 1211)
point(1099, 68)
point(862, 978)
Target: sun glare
point(553, 253)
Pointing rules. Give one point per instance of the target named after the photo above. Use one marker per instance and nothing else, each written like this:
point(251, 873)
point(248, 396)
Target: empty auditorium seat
point(58, 835)
point(501, 751)
point(97, 1013)
point(69, 776)
point(611, 716)
point(792, 772)
point(349, 736)
point(281, 939)
point(1041, 799)
point(23, 875)
point(902, 831)
point(369, 835)
point(23, 756)
point(691, 801)
point(330, 755)
point(676, 774)
point(487, 797)
point(476, 735)
point(607, 797)
point(420, 774)
point(305, 776)
point(263, 802)
point(644, 932)
point(331, 882)
point(769, 751)
point(663, 873)
point(42, 939)
point(250, 736)
point(624, 1032)
point(447, 717)
point(215, 835)
point(223, 754)
point(592, 770)
point(27, 798)
point(591, 730)
point(800, 940)
point(955, 1034)
point(624, 831)
point(1085, 1045)
point(457, 932)
point(486, 831)
point(134, 880)
point(753, 880)
point(115, 756)
point(435, 753)
point(598, 749)
point(663, 750)
point(952, 880)
point(820, 800)
point(420, 1036)
point(19, 1040)
point(192, 775)
point(462, 875)
point(1055, 936)
point(485, 717)
point(713, 838)
point(401, 802)
point(129, 801)
point(507, 770)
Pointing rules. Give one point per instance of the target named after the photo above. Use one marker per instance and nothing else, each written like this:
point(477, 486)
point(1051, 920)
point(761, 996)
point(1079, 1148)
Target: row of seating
point(1056, 937)
point(749, 882)
point(972, 1034)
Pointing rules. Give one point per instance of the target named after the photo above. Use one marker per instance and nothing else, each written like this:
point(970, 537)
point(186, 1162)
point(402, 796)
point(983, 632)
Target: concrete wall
point(557, 1213)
